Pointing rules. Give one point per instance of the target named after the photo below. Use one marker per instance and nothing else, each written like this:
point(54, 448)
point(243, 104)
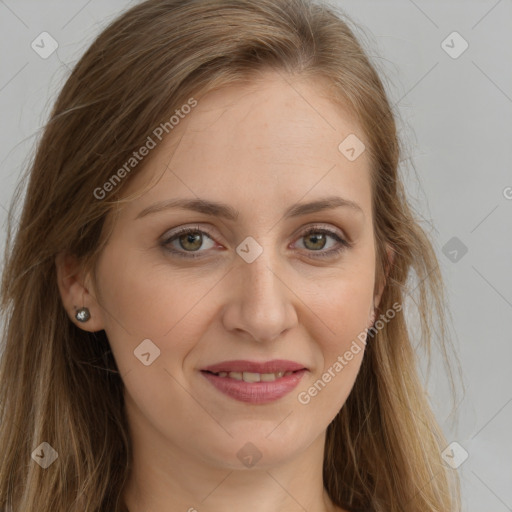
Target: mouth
point(255, 382)
point(255, 371)
point(253, 376)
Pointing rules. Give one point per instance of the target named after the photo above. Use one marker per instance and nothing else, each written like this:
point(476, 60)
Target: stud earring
point(83, 314)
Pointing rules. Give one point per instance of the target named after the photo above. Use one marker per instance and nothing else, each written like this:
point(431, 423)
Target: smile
point(254, 377)
point(255, 388)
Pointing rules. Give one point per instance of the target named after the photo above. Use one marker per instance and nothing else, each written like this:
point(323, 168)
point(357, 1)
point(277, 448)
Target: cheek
point(146, 303)
point(338, 329)
point(141, 300)
point(147, 298)
point(341, 305)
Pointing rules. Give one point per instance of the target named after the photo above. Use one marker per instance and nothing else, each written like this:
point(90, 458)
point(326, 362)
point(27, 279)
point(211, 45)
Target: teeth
point(251, 377)
point(254, 377)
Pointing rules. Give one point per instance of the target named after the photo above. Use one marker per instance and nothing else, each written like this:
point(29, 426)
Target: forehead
point(278, 136)
point(275, 113)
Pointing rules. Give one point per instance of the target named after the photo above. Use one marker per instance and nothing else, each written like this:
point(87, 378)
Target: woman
point(205, 298)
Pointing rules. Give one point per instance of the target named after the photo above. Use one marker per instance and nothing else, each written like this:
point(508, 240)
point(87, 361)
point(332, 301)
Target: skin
point(259, 148)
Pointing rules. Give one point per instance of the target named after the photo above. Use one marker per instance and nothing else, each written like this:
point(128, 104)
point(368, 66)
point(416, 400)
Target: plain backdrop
point(447, 68)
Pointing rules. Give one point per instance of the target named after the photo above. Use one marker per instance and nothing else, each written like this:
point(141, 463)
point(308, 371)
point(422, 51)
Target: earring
point(83, 314)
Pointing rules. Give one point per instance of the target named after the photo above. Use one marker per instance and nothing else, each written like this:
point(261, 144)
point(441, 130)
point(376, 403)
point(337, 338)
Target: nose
point(260, 303)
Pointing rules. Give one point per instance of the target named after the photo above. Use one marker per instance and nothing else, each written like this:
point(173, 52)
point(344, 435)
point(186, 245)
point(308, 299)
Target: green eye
point(191, 239)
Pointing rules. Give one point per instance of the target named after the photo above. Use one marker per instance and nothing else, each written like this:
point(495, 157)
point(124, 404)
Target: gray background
point(455, 116)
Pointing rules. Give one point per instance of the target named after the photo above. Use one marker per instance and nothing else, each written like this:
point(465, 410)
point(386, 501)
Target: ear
point(76, 291)
point(382, 285)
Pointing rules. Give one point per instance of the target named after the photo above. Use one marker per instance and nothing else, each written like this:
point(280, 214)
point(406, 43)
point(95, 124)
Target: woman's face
point(253, 286)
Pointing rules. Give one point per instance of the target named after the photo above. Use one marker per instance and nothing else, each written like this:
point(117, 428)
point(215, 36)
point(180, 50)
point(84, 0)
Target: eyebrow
point(225, 211)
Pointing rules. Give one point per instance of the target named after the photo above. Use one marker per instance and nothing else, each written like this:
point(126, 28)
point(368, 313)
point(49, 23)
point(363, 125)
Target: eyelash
point(344, 244)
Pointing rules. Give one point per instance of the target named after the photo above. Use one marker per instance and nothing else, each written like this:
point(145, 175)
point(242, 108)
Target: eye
point(316, 236)
point(187, 241)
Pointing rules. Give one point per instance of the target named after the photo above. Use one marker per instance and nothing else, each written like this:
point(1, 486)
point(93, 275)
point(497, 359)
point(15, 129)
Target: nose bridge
point(259, 257)
point(262, 299)
point(260, 280)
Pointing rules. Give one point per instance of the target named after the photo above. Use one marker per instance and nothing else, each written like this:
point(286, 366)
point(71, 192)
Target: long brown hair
point(60, 384)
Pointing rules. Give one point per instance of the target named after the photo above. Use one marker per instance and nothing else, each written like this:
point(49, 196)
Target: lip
point(255, 392)
point(239, 365)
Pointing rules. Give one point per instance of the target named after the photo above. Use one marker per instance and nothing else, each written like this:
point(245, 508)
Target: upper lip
point(276, 365)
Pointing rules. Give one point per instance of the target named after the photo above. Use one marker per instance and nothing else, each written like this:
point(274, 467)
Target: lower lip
point(256, 392)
